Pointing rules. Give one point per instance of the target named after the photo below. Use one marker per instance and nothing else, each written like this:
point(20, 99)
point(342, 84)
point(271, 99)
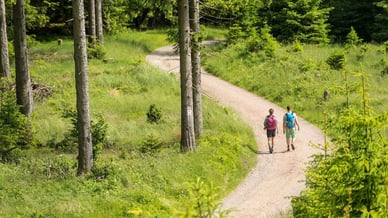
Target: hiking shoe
point(271, 150)
point(288, 148)
point(292, 146)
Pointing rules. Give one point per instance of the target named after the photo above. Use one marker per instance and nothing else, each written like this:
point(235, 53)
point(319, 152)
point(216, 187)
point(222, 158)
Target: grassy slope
point(42, 183)
point(300, 78)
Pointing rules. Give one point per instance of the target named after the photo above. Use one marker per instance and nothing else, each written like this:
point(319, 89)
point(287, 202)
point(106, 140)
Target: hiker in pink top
point(270, 124)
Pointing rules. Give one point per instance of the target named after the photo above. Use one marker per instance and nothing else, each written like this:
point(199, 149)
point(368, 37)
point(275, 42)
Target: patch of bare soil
point(266, 190)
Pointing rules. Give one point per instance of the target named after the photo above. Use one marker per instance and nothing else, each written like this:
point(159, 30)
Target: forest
point(310, 21)
point(89, 129)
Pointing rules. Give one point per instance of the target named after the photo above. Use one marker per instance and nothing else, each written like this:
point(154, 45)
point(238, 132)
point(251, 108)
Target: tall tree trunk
point(23, 82)
point(187, 120)
point(5, 70)
point(92, 22)
point(85, 150)
point(196, 65)
point(99, 24)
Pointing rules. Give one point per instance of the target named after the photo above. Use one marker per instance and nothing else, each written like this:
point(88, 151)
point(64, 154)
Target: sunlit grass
point(42, 181)
point(300, 78)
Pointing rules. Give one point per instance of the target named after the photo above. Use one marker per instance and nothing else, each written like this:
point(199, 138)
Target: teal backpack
point(290, 120)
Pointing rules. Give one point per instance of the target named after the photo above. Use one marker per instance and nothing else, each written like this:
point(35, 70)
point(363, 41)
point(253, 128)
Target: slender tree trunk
point(85, 150)
point(99, 24)
point(23, 82)
point(92, 22)
point(196, 65)
point(187, 120)
point(5, 70)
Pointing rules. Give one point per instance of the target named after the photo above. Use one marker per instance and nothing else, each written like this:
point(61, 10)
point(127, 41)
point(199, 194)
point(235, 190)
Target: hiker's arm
point(297, 124)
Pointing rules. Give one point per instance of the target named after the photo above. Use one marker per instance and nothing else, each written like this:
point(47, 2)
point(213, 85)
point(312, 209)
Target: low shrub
point(15, 128)
point(154, 114)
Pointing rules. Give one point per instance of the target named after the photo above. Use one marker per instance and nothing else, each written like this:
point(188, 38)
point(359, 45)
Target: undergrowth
point(139, 171)
point(298, 75)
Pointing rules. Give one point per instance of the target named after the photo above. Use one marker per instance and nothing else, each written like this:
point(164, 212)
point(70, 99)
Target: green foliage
point(352, 38)
point(347, 13)
point(235, 34)
point(205, 200)
point(103, 170)
point(384, 72)
point(263, 41)
point(350, 180)
point(37, 14)
point(96, 50)
point(99, 129)
point(380, 34)
point(308, 21)
point(296, 46)
point(150, 145)
point(15, 128)
point(154, 114)
point(173, 35)
point(116, 17)
point(11, 51)
point(140, 15)
point(363, 50)
point(336, 61)
point(303, 76)
point(59, 167)
point(386, 46)
point(124, 181)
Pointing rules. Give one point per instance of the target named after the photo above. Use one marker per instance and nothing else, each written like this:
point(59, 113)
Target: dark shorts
point(271, 133)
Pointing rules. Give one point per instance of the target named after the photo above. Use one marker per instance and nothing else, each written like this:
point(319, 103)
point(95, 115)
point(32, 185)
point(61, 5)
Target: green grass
point(300, 78)
point(41, 182)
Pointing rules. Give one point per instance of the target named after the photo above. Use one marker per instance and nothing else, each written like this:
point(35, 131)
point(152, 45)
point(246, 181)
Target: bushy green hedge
point(15, 128)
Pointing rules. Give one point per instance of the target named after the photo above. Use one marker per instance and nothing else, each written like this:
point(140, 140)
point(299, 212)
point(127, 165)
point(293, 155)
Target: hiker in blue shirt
point(270, 124)
point(289, 127)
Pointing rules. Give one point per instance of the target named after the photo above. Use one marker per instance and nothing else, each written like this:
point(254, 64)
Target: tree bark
point(99, 24)
point(5, 70)
point(187, 120)
point(196, 66)
point(92, 22)
point(23, 82)
point(85, 150)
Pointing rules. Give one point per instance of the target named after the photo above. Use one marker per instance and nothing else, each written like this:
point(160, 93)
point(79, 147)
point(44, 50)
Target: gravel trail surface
point(266, 190)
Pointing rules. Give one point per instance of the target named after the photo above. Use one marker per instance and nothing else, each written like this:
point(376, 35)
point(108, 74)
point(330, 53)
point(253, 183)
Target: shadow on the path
point(254, 150)
point(275, 152)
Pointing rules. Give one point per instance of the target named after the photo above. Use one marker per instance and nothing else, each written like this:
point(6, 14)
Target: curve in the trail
point(266, 190)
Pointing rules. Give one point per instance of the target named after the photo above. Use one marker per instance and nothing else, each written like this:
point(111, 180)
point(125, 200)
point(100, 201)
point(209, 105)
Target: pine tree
point(308, 21)
point(352, 179)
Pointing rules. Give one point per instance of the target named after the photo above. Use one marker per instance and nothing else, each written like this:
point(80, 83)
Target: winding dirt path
point(266, 190)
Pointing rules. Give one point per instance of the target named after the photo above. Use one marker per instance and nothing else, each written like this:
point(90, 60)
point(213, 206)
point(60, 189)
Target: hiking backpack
point(271, 122)
point(290, 120)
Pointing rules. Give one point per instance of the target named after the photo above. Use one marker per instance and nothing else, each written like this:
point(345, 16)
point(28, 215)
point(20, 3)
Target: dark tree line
point(368, 17)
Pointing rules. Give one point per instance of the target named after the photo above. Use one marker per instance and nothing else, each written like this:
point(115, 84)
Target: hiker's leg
point(288, 138)
point(292, 139)
point(269, 137)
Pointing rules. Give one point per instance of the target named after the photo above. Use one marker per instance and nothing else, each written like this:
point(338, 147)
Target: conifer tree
point(308, 21)
point(352, 179)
